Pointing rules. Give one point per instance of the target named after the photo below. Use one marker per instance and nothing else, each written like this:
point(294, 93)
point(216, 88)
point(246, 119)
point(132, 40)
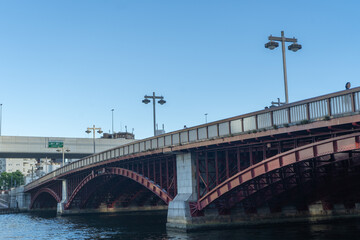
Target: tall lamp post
point(112, 121)
point(161, 102)
point(293, 47)
point(63, 150)
point(93, 129)
point(0, 117)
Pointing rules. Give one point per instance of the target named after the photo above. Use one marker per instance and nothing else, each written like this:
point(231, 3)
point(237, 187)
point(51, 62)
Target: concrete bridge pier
point(19, 199)
point(61, 204)
point(179, 216)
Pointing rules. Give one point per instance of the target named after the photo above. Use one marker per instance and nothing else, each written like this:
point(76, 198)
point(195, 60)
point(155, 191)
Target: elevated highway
point(38, 147)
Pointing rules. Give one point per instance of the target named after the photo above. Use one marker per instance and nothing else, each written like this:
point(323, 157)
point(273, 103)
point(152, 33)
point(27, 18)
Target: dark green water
point(48, 226)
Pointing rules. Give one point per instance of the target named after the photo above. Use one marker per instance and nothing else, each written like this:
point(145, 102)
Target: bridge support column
point(19, 200)
point(61, 205)
point(179, 216)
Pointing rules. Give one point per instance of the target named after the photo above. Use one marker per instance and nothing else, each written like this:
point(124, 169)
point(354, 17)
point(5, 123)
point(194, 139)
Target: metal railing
point(315, 109)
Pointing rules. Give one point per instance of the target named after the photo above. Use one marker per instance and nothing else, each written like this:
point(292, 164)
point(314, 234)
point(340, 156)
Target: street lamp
point(63, 150)
point(293, 47)
point(0, 117)
point(112, 120)
point(161, 102)
point(93, 129)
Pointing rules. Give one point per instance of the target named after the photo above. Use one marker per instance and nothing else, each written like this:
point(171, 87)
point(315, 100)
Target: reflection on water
point(149, 227)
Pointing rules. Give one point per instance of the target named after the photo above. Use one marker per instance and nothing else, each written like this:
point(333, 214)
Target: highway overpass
point(38, 147)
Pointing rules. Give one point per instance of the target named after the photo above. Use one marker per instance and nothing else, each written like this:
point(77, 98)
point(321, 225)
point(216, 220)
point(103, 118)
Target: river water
point(151, 227)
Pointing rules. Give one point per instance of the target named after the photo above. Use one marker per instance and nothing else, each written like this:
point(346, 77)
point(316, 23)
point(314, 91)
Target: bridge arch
point(44, 190)
point(295, 156)
point(115, 171)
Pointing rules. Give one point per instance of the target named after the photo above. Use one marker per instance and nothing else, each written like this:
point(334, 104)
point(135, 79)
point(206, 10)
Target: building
point(29, 167)
point(125, 135)
point(159, 131)
point(24, 165)
point(46, 166)
point(2, 165)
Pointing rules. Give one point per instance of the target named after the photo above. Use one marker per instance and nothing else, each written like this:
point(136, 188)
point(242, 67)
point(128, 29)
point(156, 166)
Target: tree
point(18, 178)
point(9, 180)
point(4, 180)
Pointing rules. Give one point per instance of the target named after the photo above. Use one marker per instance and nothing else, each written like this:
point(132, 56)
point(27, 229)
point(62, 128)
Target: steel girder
point(114, 171)
point(50, 191)
point(312, 156)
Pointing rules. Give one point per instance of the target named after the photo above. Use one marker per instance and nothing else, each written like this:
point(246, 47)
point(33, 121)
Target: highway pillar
point(179, 216)
point(61, 204)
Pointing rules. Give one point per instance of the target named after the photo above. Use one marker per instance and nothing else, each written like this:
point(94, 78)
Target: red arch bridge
point(297, 159)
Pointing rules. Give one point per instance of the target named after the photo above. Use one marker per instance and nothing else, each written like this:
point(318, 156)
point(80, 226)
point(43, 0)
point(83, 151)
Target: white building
point(2, 165)
point(29, 167)
point(25, 166)
point(46, 166)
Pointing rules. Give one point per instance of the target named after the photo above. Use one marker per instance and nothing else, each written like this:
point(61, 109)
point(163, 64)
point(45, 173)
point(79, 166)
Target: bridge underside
point(330, 180)
point(117, 187)
point(44, 201)
point(106, 193)
point(114, 192)
point(318, 178)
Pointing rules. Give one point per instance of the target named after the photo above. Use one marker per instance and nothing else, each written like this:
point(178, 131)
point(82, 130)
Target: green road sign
point(55, 144)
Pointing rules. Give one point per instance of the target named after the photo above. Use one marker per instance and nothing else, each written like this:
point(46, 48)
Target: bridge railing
point(315, 109)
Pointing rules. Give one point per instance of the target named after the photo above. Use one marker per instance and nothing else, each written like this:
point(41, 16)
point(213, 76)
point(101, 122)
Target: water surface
point(49, 226)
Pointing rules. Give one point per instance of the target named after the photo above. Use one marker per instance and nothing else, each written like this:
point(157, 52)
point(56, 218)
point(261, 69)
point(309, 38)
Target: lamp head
point(271, 45)
point(146, 101)
point(162, 101)
point(294, 47)
point(100, 132)
point(88, 131)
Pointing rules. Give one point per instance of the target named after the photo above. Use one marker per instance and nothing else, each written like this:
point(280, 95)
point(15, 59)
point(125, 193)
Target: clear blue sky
point(65, 64)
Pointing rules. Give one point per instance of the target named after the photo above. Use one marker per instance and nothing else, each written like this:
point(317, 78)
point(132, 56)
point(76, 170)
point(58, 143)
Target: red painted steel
point(198, 175)
point(44, 190)
point(149, 184)
point(282, 160)
point(91, 190)
point(207, 171)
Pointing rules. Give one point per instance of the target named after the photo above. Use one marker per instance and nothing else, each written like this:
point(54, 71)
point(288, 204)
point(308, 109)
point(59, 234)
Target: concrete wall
point(4, 200)
point(19, 199)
